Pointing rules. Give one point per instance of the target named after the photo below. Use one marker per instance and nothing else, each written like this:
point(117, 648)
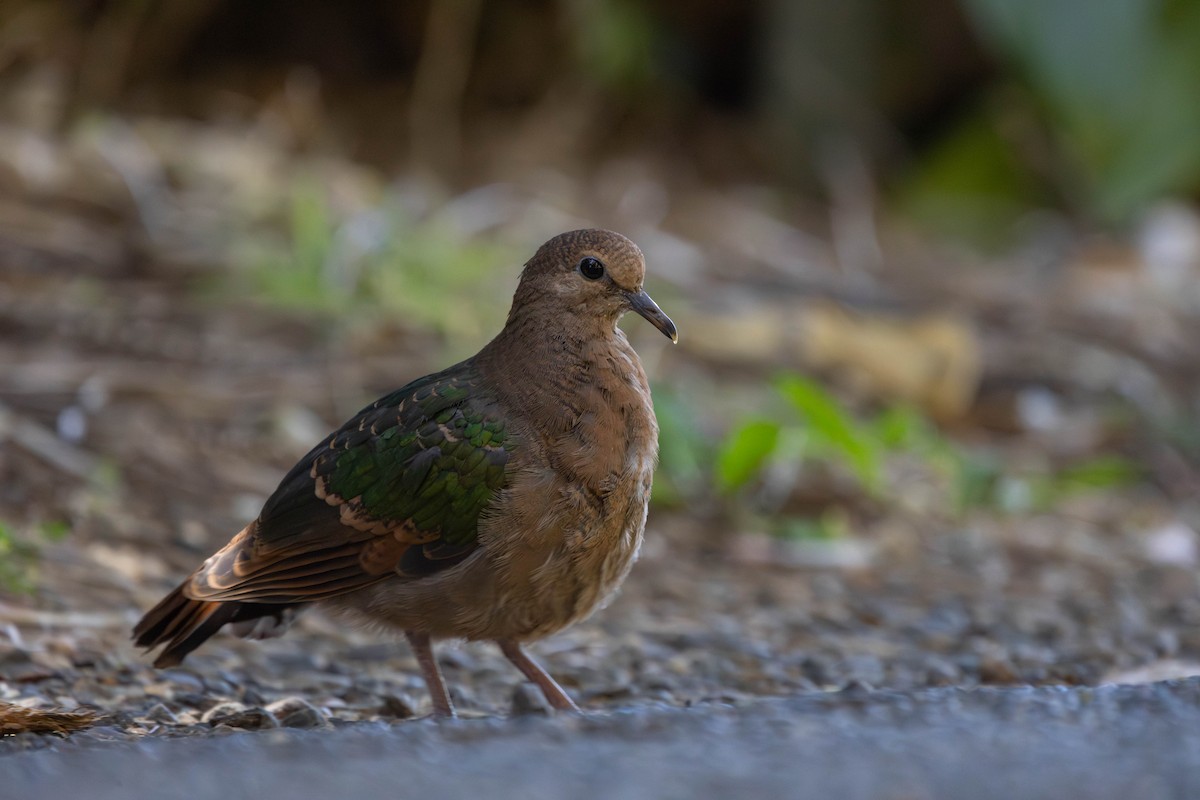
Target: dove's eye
point(591, 268)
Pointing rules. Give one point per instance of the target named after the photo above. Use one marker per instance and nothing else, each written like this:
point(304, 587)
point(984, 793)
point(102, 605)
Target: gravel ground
point(1108, 742)
point(691, 628)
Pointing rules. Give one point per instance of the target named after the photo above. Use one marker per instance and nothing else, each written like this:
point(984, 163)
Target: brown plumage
point(503, 498)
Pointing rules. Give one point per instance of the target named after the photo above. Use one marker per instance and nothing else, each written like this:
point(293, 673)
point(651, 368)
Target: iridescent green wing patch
point(421, 463)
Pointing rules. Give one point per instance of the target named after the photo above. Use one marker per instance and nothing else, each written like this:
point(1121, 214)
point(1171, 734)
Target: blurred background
point(933, 414)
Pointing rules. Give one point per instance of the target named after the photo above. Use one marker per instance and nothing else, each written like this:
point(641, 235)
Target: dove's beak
point(642, 304)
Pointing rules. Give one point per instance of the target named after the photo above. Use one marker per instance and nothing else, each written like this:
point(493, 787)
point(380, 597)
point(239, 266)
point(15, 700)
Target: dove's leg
point(554, 693)
point(423, 650)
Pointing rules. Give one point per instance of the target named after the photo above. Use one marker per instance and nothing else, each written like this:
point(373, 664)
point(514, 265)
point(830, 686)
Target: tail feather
point(183, 624)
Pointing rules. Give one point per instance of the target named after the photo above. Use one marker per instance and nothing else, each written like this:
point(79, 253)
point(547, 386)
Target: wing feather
point(399, 489)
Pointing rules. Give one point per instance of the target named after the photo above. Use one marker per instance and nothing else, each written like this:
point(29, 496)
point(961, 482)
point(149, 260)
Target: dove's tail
point(183, 624)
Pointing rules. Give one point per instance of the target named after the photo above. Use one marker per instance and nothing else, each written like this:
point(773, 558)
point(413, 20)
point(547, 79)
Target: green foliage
point(972, 185)
point(380, 261)
point(1104, 472)
point(19, 555)
point(823, 527)
point(831, 431)
point(1043, 490)
point(312, 229)
point(902, 427)
point(54, 531)
point(743, 454)
point(822, 432)
point(616, 41)
point(817, 430)
point(1115, 80)
point(16, 559)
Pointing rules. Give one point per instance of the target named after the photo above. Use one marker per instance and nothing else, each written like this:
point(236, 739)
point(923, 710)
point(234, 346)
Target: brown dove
point(503, 498)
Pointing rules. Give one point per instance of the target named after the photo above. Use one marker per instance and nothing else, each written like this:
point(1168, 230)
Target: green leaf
point(828, 423)
point(55, 531)
point(1093, 475)
point(829, 526)
point(899, 428)
point(1105, 472)
point(17, 562)
point(745, 451)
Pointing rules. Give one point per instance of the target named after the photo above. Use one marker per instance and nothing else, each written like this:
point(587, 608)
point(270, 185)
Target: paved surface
point(1106, 742)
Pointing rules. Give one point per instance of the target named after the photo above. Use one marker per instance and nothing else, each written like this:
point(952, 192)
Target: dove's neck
point(557, 365)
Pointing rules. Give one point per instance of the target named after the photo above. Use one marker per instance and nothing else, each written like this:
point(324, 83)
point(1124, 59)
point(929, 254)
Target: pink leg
point(550, 688)
point(423, 650)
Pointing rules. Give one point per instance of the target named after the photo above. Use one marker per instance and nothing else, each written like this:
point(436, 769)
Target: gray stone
point(296, 712)
point(160, 713)
point(528, 699)
point(235, 715)
point(396, 707)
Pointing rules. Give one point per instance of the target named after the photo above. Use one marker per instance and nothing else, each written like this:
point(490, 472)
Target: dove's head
point(592, 274)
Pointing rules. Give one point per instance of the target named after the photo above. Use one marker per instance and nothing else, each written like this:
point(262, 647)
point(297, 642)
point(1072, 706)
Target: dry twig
point(18, 719)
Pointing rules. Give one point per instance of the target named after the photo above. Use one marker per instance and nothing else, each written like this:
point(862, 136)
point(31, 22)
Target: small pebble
point(119, 719)
point(235, 715)
point(296, 712)
point(396, 707)
point(857, 687)
point(528, 699)
point(160, 713)
point(997, 670)
point(198, 701)
point(105, 733)
point(182, 679)
point(222, 710)
point(817, 671)
point(939, 672)
point(252, 697)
